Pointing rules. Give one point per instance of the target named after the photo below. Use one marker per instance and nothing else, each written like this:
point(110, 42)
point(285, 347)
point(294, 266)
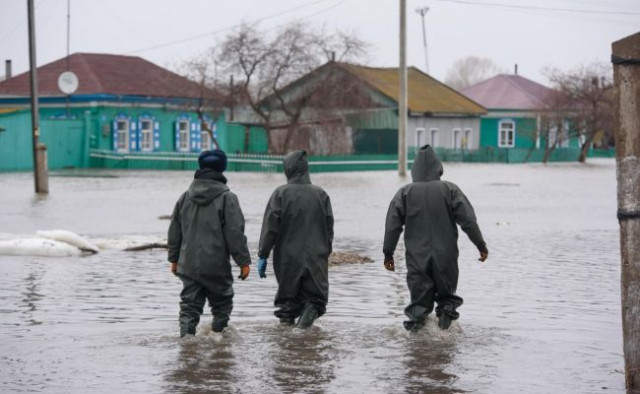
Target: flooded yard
point(541, 315)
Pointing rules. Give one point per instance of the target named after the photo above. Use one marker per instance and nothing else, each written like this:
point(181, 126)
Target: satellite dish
point(68, 82)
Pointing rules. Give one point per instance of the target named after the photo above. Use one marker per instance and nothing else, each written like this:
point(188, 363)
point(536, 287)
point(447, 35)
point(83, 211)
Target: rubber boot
point(288, 320)
point(413, 325)
point(184, 331)
point(444, 320)
point(219, 323)
point(308, 315)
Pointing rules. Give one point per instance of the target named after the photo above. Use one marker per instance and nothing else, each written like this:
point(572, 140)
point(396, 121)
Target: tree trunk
point(626, 73)
point(584, 150)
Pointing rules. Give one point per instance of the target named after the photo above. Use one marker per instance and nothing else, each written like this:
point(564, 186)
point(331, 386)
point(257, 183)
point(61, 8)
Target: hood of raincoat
point(427, 166)
point(296, 167)
point(204, 191)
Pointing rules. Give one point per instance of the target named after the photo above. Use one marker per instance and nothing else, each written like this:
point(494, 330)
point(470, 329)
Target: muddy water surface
point(542, 316)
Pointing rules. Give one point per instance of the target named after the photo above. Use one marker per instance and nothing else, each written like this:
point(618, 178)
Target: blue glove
point(262, 267)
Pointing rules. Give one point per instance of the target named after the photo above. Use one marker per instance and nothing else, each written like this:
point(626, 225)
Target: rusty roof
point(425, 93)
point(509, 92)
point(107, 74)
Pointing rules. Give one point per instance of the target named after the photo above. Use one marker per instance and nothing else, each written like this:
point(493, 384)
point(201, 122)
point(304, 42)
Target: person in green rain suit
point(207, 227)
point(298, 226)
point(429, 209)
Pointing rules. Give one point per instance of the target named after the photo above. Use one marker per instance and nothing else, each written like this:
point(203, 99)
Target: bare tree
point(263, 66)
point(206, 100)
point(586, 101)
point(470, 70)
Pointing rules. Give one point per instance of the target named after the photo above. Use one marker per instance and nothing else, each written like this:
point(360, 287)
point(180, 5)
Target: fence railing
point(355, 162)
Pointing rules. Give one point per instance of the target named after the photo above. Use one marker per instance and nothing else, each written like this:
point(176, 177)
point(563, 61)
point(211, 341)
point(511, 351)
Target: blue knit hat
point(214, 159)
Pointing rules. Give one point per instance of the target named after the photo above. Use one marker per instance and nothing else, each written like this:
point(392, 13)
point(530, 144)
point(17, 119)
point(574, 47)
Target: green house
point(123, 105)
point(513, 121)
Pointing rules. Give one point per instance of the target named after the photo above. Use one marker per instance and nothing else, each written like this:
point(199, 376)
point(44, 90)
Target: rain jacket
point(298, 226)
point(207, 226)
point(429, 209)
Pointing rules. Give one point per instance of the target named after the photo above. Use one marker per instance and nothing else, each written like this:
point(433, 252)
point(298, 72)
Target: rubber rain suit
point(298, 226)
point(207, 226)
point(428, 209)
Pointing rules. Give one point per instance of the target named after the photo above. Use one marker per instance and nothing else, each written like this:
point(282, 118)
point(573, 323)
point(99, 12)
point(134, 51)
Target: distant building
point(438, 115)
point(515, 105)
point(123, 105)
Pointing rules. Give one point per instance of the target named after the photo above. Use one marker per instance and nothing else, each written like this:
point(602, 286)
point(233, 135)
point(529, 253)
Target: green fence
point(272, 163)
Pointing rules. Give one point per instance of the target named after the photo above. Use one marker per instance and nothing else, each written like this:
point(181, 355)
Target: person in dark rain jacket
point(298, 226)
point(207, 226)
point(429, 209)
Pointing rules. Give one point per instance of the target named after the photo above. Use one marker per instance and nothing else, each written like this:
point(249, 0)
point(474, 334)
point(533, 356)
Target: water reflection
point(302, 360)
point(32, 296)
point(203, 364)
point(428, 355)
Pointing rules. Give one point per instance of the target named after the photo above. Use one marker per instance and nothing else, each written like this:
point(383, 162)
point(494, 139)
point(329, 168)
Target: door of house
point(65, 140)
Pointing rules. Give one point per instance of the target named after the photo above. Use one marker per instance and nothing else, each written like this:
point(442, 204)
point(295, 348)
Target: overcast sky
point(535, 34)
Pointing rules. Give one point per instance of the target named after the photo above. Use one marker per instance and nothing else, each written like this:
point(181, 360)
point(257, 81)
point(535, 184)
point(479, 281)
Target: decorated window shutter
point(156, 135)
point(198, 136)
point(193, 136)
point(177, 136)
point(115, 135)
point(133, 136)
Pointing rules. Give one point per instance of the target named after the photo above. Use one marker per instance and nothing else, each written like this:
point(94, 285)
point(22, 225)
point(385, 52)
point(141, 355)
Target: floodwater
point(541, 316)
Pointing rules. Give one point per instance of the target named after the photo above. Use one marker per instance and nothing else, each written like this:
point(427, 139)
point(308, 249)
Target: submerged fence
point(355, 162)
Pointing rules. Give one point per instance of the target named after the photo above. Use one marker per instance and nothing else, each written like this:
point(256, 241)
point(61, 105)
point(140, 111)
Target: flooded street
point(541, 316)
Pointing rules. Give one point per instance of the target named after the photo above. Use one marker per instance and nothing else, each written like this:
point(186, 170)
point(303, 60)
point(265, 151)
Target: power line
point(554, 9)
point(191, 38)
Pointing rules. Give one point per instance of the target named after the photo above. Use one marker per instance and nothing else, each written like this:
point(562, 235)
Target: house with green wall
point(515, 105)
point(123, 106)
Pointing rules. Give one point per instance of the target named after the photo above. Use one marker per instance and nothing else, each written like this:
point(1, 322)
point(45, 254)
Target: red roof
point(509, 92)
point(107, 74)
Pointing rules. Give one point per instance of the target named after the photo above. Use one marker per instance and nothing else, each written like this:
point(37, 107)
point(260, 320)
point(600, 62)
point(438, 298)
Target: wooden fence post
point(626, 71)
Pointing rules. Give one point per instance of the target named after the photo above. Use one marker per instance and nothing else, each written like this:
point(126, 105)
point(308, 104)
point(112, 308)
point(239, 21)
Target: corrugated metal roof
point(425, 94)
point(107, 74)
point(509, 92)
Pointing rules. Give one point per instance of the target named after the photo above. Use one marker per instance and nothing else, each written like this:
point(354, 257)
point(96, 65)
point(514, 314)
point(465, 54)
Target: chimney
point(333, 56)
point(515, 69)
point(7, 69)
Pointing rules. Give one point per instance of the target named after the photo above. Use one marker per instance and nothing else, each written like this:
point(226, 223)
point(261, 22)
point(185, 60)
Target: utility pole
point(423, 11)
point(402, 98)
point(39, 150)
point(626, 75)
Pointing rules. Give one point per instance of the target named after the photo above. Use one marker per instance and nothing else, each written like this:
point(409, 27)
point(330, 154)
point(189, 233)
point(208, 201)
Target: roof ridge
point(520, 88)
point(86, 65)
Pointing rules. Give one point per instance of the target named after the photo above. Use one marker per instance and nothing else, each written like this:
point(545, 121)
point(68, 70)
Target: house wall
point(525, 131)
point(419, 132)
point(69, 134)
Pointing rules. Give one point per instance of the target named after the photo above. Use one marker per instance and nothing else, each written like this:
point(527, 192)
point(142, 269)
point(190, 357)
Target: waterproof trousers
point(294, 293)
point(429, 283)
point(192, 299)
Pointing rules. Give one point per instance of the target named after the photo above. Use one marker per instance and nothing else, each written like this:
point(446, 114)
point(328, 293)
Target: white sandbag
point(37, 247)
point(70, 238)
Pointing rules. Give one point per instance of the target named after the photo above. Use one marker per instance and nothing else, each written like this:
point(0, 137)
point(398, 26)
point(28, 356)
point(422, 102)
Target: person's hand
point(483, 256)
point(174, 267)
point(389, 263)
point(262, 268)
point(244, 271)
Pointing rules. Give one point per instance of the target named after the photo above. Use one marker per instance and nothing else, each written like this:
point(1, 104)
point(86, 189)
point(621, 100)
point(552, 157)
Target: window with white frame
point(506, 134)
point(457, 134)
point(421, 136)
point(146, 135)
point(205, 137)
point(433, 137)
point(183, 135)
point(466, 139)
point(122, 134)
